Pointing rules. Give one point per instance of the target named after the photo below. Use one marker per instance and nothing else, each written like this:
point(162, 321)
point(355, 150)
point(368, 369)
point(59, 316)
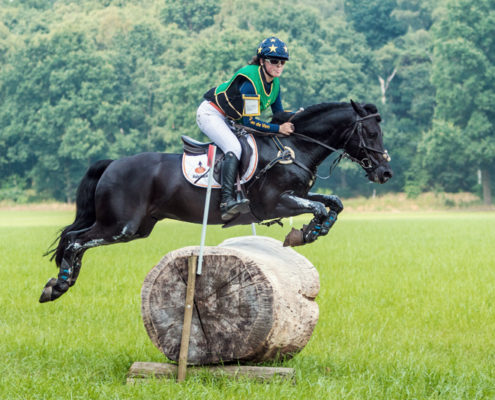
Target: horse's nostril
point(388, 174)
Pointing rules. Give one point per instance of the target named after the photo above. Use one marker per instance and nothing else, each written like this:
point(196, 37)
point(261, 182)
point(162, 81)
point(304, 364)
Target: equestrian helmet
point(273, 47)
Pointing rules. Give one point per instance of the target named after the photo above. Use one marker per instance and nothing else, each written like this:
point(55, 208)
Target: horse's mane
point(310, 111)
point(282, 117)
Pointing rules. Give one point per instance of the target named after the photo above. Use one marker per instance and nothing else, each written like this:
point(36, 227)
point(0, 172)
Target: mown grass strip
point(406, 311)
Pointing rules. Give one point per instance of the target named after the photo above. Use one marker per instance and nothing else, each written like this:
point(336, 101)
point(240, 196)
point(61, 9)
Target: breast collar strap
point(286, 154)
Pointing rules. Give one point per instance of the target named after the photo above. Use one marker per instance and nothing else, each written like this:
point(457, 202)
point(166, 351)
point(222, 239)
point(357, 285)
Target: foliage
point(464, 76)
point(190, 15)
point(373, 18)
point(439, 150)
point(107, 78)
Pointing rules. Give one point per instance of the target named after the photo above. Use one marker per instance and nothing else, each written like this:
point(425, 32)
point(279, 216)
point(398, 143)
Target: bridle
point(369, 159)
point(367, 162)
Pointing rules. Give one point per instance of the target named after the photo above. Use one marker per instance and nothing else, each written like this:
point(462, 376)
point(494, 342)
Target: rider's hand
point(286, 128)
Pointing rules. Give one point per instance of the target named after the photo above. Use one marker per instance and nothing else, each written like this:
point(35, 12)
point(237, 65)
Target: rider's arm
point(277, 106)
point(252, 122)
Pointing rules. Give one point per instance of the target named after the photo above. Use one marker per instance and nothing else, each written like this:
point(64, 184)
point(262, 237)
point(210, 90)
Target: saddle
point(195, 157)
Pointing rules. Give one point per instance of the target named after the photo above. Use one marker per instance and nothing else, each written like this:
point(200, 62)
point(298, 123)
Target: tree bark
point(385, 83)
point(487, 187)
point(254, 302)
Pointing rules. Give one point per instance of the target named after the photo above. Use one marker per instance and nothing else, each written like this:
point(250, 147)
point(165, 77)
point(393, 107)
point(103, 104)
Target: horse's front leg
point(335, 207)
point(290, 205)
point(329, 200)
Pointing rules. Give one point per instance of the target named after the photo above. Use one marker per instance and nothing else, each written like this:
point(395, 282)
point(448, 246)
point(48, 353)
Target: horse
point(122, 200)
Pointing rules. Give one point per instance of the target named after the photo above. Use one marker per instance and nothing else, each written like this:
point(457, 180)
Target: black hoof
point(47, 291)
point(53, 291)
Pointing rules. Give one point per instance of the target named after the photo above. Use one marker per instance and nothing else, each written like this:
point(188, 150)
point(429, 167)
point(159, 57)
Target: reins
point(285, 155)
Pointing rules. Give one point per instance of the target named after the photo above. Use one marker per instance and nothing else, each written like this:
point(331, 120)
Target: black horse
point(121, 200)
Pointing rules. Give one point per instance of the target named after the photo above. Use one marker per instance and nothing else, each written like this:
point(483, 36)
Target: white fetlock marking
point(305, 203)
point(92, 243)
point(124, 234)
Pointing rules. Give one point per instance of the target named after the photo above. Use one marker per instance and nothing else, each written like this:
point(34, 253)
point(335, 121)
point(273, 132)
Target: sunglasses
point(274, 61)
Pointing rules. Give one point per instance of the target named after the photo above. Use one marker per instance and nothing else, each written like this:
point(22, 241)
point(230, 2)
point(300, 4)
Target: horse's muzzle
point(380, 174)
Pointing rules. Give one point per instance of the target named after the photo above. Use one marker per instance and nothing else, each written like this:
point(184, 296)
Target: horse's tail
point(85, 207)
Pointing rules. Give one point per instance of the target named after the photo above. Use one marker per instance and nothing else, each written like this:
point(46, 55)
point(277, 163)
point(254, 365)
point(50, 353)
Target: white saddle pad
point(196, 166)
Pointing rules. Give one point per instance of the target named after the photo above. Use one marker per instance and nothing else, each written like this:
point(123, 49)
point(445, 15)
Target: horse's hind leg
point(78, 243)
point(70, 265)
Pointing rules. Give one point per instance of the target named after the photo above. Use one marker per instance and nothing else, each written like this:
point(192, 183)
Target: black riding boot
point(230, 206)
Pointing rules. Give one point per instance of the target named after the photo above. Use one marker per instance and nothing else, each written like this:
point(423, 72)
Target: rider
point(249, 92)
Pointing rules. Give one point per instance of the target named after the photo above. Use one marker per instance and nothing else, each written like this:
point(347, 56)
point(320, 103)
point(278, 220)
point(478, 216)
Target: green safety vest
point(253, 74)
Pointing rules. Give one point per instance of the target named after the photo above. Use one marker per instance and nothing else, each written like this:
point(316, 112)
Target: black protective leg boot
point(230, 206)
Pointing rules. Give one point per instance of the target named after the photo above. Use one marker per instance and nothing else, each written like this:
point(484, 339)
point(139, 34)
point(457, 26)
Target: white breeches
point(213, 124)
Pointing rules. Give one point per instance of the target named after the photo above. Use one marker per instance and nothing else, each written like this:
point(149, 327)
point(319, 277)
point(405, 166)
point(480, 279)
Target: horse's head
point(364, 143)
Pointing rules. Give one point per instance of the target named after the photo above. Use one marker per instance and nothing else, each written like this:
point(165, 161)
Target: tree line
point(94, 79)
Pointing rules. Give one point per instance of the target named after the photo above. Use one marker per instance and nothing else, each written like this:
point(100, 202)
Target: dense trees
point(464, 77)
point(107, 78)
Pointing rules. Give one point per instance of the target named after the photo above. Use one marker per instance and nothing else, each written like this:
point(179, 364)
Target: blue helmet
point(273, 48)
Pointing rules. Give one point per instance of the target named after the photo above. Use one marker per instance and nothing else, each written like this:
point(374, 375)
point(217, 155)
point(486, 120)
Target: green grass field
point(407, 311)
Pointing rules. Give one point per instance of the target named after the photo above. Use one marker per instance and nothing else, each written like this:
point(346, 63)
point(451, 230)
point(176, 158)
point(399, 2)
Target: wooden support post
point(141, 371)
point(188, 311)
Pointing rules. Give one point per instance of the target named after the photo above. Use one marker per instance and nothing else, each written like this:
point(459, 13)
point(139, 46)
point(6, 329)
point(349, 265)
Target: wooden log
point(144, 370)
point(254, 302)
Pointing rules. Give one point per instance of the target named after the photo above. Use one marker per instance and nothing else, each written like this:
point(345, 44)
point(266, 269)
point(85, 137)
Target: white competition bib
point(251, 106)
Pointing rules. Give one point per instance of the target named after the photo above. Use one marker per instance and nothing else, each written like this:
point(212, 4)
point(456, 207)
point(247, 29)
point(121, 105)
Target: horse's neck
point(328, 129)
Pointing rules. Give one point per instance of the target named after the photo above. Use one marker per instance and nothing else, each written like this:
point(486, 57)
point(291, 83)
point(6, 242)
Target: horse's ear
point(358, 108)
point(371, 108)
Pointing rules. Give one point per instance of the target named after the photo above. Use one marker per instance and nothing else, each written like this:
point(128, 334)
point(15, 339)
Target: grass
point(407, 305)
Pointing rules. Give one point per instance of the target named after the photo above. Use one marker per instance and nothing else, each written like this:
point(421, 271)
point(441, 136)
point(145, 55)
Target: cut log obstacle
point(254, 302)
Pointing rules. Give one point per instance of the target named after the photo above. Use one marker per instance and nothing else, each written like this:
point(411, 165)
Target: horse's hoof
point(294, 238)
point(48, 290)
point(46, 295)
point(53, 290)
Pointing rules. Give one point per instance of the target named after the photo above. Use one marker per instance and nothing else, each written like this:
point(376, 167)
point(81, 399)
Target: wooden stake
point(186, 328)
